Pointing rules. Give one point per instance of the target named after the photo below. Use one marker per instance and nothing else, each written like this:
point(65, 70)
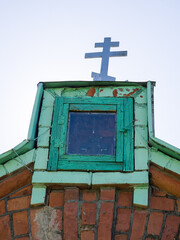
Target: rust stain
point(120, 89)
point(115, 93)
point(91, 92)
point(131, 93)
point(141, 96)
point(101, 90)
point(127, 89)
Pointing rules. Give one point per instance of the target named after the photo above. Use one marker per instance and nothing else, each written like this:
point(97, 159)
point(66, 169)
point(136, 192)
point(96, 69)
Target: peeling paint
point(121, 89)
point(131, 93)
point(115, 93)
point(91, 92)
point(48, 223)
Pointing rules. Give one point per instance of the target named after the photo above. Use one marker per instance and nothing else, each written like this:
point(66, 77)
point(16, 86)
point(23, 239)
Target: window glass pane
point(91, 133)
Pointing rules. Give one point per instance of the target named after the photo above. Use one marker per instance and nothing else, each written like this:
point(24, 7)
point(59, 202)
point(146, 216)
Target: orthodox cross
point(105, 54)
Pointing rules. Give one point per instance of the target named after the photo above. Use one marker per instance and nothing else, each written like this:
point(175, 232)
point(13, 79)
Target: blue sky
point(46, 41)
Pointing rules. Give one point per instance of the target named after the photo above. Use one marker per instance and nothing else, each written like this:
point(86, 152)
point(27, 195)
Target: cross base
point(100, 77)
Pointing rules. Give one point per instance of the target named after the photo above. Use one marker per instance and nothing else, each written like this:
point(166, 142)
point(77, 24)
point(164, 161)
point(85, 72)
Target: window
point(92, 134)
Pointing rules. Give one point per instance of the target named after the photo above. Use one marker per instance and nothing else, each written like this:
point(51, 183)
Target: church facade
point(91, 167)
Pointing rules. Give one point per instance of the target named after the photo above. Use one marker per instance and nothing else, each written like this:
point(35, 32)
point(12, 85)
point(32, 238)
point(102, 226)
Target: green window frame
point(124, 156)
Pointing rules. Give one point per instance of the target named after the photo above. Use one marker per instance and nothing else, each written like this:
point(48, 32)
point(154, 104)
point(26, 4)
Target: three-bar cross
point(105, 54)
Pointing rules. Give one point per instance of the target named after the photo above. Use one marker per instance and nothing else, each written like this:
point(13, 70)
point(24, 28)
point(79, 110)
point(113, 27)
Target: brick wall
point(97, 214)
point(89, 214)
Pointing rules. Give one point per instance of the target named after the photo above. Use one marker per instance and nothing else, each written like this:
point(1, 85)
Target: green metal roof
point(92, 83)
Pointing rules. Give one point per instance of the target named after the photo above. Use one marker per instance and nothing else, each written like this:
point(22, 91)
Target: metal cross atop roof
point(105, 54)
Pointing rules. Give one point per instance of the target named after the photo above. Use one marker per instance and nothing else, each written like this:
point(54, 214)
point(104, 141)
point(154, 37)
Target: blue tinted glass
point(91, 133)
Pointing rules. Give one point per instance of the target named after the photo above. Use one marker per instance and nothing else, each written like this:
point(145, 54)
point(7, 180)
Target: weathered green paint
point(20, 161)
point(87, 166)
point(89, 178)
point(54, 153)
point(77, 84)
point(85, 158)
point(127, 91)
point(3, 171)
point(141, 98)
point(92, 107)
point(35, 113)
point(46, 117)
point(118, 178)
point(78, 92)
point(140, 114)
point(128, 135)
point(120, 132)
point(62, 177)
point(38, 195)
point(64, 126)
point(93, 100)
point(48, 99)
point(166, 155)
point(141, 196)
point(141, 136)
point(165, 161)
point(141, 158)
point(41, 159)
point(43, 137)
point(124, 138)
point(21, 148)
point(55, 92)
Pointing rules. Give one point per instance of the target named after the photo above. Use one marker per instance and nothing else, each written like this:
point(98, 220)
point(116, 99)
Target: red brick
point(123, 219)
point(171, 227)
point(2, 207)
point(125, 199)
point(155, 223)
point(70, 221)
point(18, 203)
point(15, 182)
point(88, 213)
point(121, 237)
point(56, 199)
point(89, 196)
point(71, 194)
point(34, 225)
point(20, 221)
point(138, 226)
point(5, 232)
point(87, 235)
point(178, 205)
point(105, 221)
point(56, 221)
point(24, 191)
point(107, 194)
point(165, 181)
point(158, 193)
point(160, 203)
